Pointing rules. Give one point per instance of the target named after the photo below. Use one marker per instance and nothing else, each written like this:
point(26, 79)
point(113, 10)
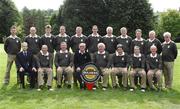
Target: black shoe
point(115, 87)
point(59, 86)
point(152, 89)
point(69, 86)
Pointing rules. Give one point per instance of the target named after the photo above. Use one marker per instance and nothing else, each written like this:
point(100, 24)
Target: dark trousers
point(32, 77)
point(81, 82)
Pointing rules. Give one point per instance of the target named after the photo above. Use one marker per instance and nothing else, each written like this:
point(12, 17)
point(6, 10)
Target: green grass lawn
point(13, 98)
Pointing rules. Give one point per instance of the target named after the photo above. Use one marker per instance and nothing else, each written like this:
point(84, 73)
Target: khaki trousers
point(10, 60)
point(154, 73)
point(119, 70)
point(68, 71)
point(105, 76)
point(141, 73)
point(168, 73)
point(41, 74)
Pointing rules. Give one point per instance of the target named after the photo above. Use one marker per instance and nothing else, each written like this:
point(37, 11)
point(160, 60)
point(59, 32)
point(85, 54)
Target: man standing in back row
point(12, 46)
point(169, 54)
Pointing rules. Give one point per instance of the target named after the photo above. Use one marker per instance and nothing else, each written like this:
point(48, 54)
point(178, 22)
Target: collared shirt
point(13, 36)
point(97, 35)
point(117, 54)
point(81, 52)
point(65, 35)
point(151, 40)
point(124, 37)
point(79, 36)
point(47, 54)
point(139, 55)
point(33, 36)
point(102, 52)
point(109, 36)
point(151, 55)
point(167, 42)
point(66, 51)
point(136, 39)
point(47, 35)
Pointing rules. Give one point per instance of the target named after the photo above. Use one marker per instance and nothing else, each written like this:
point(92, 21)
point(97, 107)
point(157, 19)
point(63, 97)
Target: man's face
point(124, 32)
point(62, 30)
point(82, 48)
point(109, 31)
point(138, 34)
point(136, 51)
point(94, 29)
point(24, 47)
point(167, 38)
point(48, 30)
point(151, 35)
point(13, 31)
point(63, 46)
point(44, 49)
point(120, 50)
point(153, 50)
point(33, 31)
point(78, 31)
point(101, 48)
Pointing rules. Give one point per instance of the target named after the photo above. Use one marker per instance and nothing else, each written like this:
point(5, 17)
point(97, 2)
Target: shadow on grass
point(21, 96)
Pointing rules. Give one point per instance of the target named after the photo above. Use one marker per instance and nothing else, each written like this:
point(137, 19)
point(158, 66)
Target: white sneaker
point(104, 89)
point(51, 89)
point(39, 89)
point(131, 90)
point(143, 90)
point(94, 88)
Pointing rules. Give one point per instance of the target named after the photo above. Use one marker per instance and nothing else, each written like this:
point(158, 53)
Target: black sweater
point(34, 44)
point(101, 60)
point(81, 59)
point(63, 59)
point(137, 62)
point(92, 43)
point(169, 52)
point(155, 42)
point(140, 44)
point(58, 41)
point(12, 45)
point(49, 41)
point(120, 61)
point(110, 43)
point(44, 61)
point(126, 42)
point(75, 41)
point(154, 62)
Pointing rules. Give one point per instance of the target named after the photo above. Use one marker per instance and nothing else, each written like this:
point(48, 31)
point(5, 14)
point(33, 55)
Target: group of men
point(121, 58)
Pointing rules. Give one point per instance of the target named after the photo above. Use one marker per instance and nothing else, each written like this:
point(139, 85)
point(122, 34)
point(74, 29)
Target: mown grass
point(13, 98)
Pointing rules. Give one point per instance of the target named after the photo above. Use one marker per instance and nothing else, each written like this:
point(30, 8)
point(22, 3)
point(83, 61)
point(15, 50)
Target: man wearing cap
point(119, 63)
point(169, 54)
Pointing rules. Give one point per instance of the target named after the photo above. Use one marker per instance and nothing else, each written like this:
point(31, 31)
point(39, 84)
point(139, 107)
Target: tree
point(169, 21)
point(9, 16)
point(132, 14)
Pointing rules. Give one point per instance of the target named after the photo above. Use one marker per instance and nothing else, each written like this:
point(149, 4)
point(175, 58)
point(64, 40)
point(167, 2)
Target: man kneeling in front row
point(44, 61)
point(137, 68)
point(64, 64)
point(25, 64)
